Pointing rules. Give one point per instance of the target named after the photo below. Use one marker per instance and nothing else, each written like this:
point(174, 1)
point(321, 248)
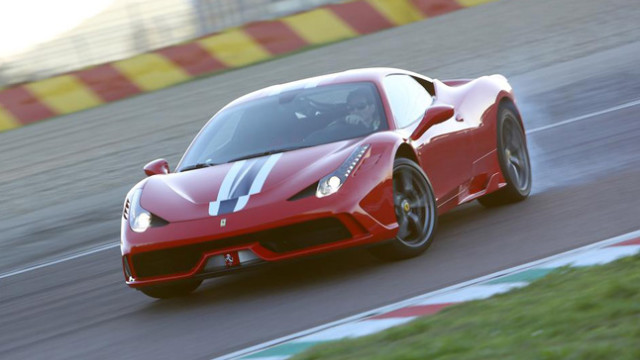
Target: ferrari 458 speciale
point(362, 157)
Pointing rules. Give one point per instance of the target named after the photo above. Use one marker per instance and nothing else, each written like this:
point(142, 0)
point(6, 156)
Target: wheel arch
point(406, 151)
point(506, 99)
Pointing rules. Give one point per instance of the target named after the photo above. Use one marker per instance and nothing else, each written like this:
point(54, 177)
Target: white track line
point(583, 117)
point(391, 307)
point(111, 246)
point(71, 257)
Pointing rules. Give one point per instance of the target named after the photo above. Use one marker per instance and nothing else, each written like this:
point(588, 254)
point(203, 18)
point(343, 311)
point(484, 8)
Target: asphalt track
point(63, 182)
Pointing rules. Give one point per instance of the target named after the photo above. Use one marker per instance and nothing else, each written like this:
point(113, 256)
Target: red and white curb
point(402, 312)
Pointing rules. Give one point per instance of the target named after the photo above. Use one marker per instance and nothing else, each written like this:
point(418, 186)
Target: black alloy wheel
point(416, 212)
point(513, 157)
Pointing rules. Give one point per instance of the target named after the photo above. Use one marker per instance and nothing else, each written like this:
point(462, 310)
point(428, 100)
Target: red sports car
point(361, 157)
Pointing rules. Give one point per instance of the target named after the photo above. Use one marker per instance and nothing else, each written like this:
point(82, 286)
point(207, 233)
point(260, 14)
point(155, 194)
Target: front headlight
point(331, 183)
point(139, 218)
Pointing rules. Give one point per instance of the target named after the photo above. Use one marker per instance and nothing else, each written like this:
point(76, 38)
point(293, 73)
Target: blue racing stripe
point(227, 206)
point(242, 183)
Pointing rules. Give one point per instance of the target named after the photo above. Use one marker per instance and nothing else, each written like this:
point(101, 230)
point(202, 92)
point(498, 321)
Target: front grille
point(304, 235)
point(288, 238)
point(180, 259)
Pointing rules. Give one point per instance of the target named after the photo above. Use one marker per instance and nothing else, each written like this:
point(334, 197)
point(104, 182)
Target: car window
point(407, 98)
point(221, 135)
point(288, 120)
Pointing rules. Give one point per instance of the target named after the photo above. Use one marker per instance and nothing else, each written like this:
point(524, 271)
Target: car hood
point(231, 187)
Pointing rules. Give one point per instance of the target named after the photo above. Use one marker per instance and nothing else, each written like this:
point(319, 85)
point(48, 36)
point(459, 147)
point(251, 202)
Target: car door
point(445, 150)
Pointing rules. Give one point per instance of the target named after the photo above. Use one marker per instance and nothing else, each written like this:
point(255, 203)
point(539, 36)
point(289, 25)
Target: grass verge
point(573, 313)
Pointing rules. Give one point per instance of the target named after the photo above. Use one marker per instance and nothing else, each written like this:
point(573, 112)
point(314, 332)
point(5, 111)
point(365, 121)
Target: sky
point(26, 23)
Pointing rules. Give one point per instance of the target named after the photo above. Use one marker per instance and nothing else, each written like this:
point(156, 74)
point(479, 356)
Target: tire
point(171, 290)
point(416, 212)
point(513, 157)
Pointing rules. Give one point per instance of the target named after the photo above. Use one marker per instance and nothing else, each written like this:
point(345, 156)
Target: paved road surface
point(63, 182)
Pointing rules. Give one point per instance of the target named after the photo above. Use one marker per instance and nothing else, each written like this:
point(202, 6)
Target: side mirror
point(157, 167)
point(434, 115)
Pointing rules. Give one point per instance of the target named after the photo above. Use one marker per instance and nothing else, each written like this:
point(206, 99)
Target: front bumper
point(184, 250)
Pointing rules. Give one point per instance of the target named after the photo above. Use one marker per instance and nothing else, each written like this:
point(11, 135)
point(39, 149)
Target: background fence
point(129, 27)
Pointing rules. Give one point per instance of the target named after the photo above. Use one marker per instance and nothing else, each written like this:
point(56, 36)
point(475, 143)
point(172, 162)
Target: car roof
point(348, 76)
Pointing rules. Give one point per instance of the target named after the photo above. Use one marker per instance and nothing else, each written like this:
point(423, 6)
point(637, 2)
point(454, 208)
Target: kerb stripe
point(24, 105)
point(275, 36)
point(361, 16)
point(64, 94)
point(7, 121)
point(436, 7)
point(192, 58)
point(319, 26)
point(107, 82)
point(411, 311)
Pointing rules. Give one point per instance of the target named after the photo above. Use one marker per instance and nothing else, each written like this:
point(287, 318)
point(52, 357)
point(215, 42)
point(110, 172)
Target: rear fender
point(456, 82)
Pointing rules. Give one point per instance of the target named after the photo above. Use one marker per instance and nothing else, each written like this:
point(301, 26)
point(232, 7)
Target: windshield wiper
point(265, 153)
point(197, 166)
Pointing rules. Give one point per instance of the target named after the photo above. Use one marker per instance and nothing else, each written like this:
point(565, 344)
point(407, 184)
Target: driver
point(362, 110)
point(363, 118)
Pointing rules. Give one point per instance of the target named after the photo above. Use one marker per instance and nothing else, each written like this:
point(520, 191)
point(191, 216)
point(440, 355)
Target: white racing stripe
point(238, 180)
point(258, 182)
point(111, 246)
point(242, 202)
point(225, 188)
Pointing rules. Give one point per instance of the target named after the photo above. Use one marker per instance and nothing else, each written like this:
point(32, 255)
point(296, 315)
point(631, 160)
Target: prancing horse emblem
point(228, 260)
point(223, 222)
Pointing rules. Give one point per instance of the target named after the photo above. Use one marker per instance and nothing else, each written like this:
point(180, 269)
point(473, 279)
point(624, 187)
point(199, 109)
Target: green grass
point(573, 313)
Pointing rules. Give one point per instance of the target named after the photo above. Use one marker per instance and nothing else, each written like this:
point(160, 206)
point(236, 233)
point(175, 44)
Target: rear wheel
point(513, 157)
point(415, 209)
point(171, 290)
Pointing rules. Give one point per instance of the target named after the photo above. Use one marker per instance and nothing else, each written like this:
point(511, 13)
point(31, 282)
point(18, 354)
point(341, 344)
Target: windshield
point(287, 121)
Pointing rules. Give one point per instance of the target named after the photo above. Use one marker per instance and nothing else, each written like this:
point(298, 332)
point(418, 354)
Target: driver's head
point(360, 102)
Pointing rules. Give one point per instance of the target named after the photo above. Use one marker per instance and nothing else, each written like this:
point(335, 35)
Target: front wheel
point(171, 290)
point(513, 157)
point(415, 208)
